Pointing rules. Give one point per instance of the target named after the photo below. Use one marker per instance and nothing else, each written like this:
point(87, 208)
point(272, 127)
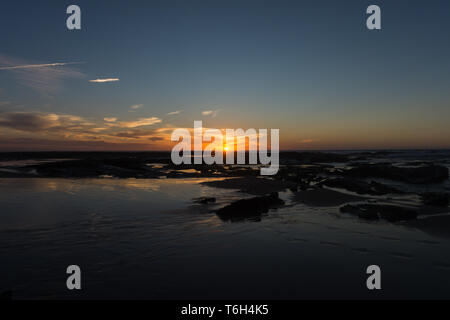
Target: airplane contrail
point(29, 66)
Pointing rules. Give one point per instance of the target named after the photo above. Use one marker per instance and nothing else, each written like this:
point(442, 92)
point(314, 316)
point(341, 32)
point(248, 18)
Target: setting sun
point(226, 148)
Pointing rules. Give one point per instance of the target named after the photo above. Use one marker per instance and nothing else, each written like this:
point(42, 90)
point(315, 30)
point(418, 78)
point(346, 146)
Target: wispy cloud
point(45, 78)
point(135, 107)
point(37, 121)
point(138, 134)
point(105, 80)
point(41, 126)
point(42, 144)
point(45, 65)
point(138, 123)
point(174, 112)
point(156, 139)
point(212, 113)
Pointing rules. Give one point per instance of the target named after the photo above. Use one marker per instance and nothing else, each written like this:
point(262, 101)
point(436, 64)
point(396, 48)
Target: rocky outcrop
point(92, 168)
point(247, 208)
point(205, 200)
point(252, 185)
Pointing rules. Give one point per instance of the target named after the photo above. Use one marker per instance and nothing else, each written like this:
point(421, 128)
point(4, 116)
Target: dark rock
point(360, 187)
point(390, 213)
point(415, 175)
point(436, 199)
point(382, 189)
point(306, 172)
point(303, 186)
point(247, 208)
point(362, 212)
point(205, 200)
point(6, 296)
point(92, 168)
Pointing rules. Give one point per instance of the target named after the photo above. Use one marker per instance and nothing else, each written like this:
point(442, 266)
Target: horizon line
point(283, 150)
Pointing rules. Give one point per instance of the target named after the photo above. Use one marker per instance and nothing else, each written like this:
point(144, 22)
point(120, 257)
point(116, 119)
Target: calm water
point(147, 239)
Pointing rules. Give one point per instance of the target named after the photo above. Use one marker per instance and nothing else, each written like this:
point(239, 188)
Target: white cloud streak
point(111, 119)
point(212, 113)
point(174, 112)
point(138, 123)
point(104, 80)
point(136, 106)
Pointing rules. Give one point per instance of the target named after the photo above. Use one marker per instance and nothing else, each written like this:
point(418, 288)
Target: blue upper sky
point(310, 68)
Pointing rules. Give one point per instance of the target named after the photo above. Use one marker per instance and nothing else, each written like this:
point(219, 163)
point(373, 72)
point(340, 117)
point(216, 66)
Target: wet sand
point(437, 226)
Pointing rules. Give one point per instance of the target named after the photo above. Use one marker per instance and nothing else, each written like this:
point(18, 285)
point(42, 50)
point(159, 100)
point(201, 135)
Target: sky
point(137, 70)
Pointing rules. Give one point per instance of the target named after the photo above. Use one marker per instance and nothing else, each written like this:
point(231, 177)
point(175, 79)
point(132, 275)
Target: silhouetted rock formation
point(321, 197)
point(205, 200)
point(247, 208)
point(89, 168)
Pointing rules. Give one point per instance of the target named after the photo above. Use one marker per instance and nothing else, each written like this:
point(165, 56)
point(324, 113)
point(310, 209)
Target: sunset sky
point(139, 69)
